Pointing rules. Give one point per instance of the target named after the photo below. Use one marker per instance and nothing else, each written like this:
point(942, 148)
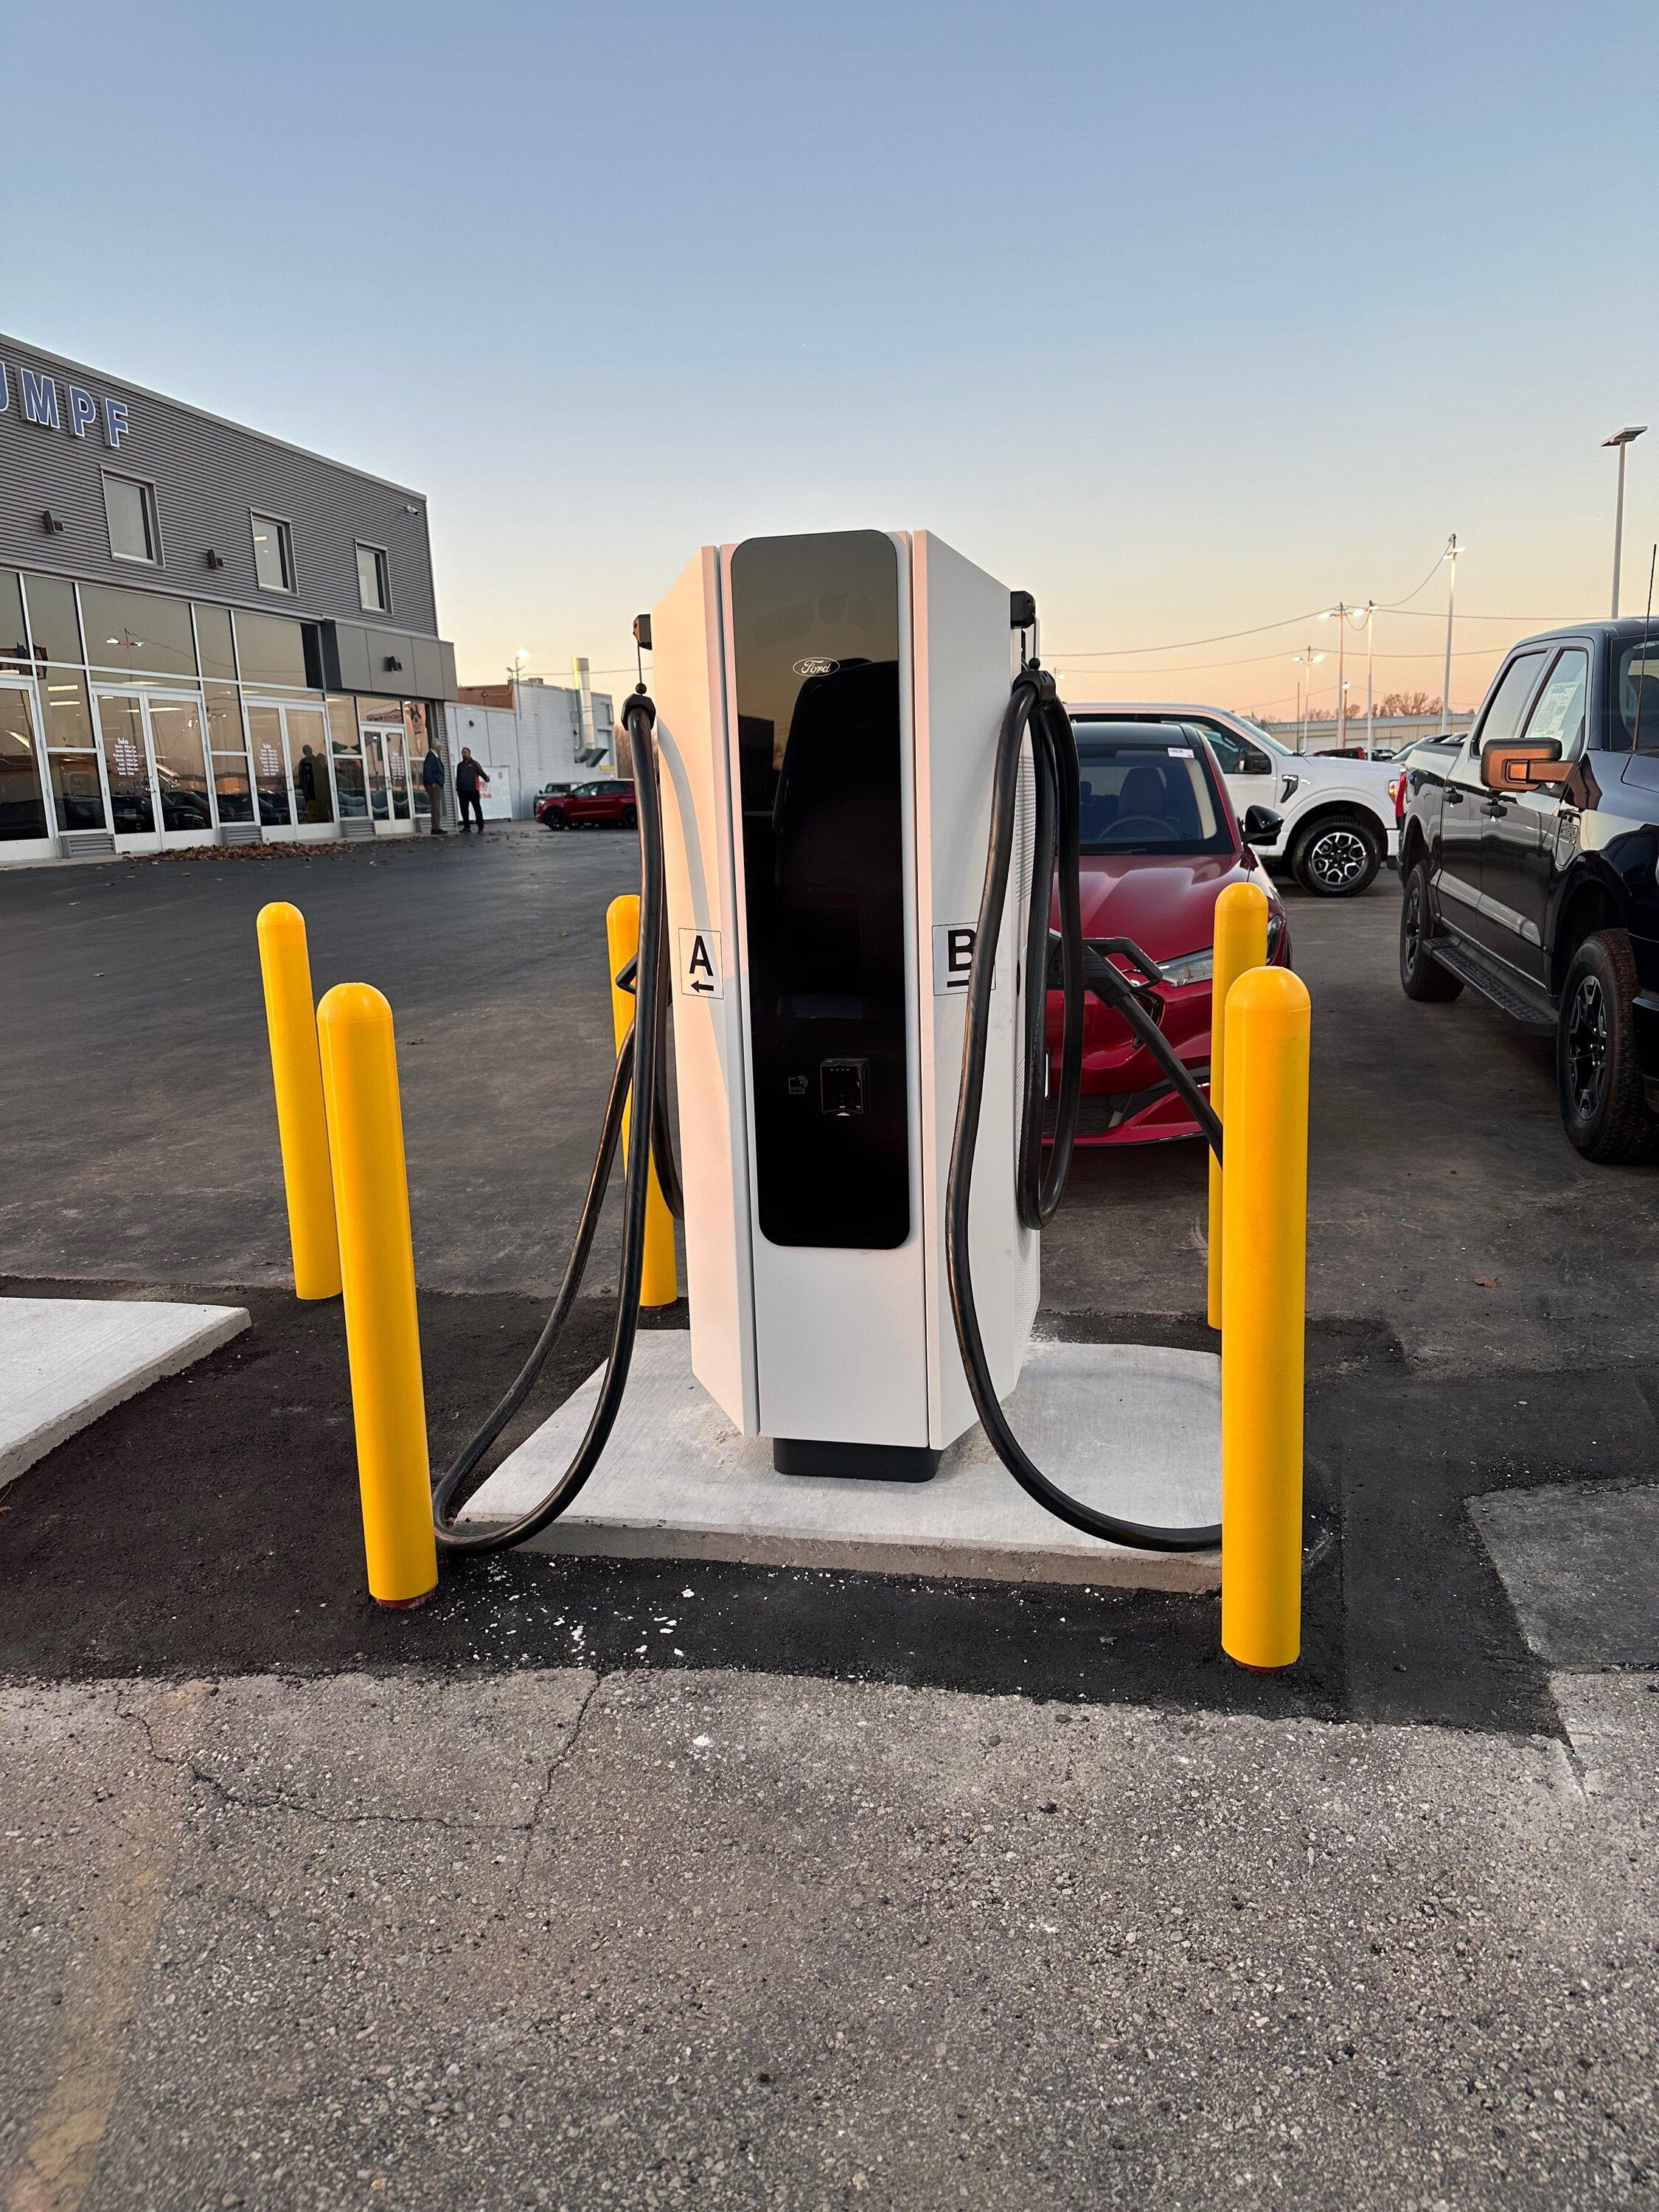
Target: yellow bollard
point(1263, 1309)
point(301, 1128)
point(659, 1282)
point(1241, 943)
point(377, 1265)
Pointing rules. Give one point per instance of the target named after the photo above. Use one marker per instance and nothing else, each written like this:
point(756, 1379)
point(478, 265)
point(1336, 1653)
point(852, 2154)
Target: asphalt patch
point(211, 1527)
point(1577, 1561)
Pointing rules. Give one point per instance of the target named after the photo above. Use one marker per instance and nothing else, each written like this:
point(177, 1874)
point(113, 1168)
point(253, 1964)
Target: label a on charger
point(701, 976)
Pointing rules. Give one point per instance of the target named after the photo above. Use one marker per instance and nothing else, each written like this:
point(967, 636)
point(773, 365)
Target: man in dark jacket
point(469, 776)
point(432, 780)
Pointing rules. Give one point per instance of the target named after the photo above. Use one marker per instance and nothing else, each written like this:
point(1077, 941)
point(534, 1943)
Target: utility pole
point(1453, 548)
point(1627, 437)
point(1371, 646)
point(1342, 684)
point(514, 670)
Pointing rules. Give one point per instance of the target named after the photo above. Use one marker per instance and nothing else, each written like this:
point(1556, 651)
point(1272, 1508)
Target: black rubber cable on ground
point(642, 1069)
point(1035, 709)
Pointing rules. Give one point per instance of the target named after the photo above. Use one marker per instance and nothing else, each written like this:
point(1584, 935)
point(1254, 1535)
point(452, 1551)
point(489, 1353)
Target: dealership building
point(206, 636)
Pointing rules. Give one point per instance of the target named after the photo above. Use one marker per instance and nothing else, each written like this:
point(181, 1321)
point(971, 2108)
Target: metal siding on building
point(209, 478)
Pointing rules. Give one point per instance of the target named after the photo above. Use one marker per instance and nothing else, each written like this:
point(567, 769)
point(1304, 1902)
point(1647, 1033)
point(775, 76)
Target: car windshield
point(1147, 790)
point(1256, 729)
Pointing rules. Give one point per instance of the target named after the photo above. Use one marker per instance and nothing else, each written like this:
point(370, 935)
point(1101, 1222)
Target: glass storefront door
point(386, 755)
point(179, 759)
point(374, 769)
point(268, 754)
point(397, 761)
point(156, 768)
point(307, 761)
point(289, 751)
point(25, 822)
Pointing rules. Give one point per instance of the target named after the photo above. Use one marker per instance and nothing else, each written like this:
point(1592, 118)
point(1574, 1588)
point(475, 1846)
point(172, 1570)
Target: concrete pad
point(1577, 1559)
point(1134, 1429)
point(64, 1361)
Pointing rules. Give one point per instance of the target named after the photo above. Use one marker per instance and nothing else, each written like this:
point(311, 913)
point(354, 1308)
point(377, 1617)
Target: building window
point(270, 651)
point(141, 633)
point(273, 553)
point(131, 506)
point(374, 580)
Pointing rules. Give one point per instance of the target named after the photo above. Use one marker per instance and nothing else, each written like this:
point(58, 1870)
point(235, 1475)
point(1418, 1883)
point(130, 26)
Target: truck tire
point(1421, 975)
point(1338, 856)
point(1598, 1073)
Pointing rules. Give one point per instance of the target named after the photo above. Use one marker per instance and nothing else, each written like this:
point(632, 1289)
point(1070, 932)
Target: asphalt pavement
point(617, 1882)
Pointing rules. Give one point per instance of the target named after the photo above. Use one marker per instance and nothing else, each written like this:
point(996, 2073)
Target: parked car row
point(1528, 857)
point(1528, 851)
point(1337, 818)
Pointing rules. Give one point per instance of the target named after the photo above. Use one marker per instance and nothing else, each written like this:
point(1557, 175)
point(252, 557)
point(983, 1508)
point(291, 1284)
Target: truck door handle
point(1454, 797)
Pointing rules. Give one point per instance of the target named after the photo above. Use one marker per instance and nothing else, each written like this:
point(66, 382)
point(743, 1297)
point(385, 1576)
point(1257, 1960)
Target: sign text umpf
point(38, 401)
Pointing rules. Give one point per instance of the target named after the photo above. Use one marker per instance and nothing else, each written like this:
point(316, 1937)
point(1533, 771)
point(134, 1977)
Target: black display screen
point(815, 626)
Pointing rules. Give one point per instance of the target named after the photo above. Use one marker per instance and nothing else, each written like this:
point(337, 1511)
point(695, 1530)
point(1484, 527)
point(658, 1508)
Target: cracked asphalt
point(852, 1890)
point(564, 1939)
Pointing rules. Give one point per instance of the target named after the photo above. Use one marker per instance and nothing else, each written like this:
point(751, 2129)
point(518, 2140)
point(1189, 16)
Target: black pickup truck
point(1527, 853)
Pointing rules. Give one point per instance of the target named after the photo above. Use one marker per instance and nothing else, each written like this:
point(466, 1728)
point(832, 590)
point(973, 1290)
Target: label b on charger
point(953, 957)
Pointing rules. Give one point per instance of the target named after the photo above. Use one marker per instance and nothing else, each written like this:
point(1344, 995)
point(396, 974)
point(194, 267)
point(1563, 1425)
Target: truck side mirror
point(1262, 825)
point(1523, 764)
point(1254, 763)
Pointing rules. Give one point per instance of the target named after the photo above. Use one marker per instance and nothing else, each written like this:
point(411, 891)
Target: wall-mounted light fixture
point(215, 558)
point(50, 521)
point(410, 507)
point(393, 661)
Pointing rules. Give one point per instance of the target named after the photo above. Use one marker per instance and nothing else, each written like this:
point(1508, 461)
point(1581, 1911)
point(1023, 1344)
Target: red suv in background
point(607, 804)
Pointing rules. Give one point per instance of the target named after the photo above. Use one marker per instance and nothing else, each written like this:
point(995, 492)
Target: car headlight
point(1275, 930)
point(1191, 968)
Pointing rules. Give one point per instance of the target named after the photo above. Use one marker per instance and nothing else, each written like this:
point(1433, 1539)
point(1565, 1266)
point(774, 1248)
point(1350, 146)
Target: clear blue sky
point(1187, 318)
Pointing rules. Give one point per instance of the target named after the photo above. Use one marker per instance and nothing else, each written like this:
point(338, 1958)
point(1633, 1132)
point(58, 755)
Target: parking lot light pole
point(1620, 438)
point(1453, 548)
point(1306, 658)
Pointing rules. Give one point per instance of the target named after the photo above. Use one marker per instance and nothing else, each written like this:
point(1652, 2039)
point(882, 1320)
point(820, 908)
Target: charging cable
point(641, 1067)
point(1034, 712)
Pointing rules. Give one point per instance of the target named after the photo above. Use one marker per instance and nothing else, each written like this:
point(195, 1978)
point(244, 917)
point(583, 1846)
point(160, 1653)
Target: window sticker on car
point(1180, 752)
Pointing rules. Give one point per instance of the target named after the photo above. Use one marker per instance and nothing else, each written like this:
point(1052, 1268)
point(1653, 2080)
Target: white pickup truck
point(1338, 816)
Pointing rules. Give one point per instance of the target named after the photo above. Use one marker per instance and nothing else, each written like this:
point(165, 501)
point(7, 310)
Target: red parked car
point(607, 804)
point(1160, 844)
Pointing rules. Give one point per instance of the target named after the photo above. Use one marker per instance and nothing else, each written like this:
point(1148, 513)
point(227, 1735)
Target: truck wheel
point(1597, 1073)
point(1338, 857)
point(1421, 975)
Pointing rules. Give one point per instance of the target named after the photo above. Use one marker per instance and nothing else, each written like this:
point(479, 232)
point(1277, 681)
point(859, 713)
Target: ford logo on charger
point(816, 667)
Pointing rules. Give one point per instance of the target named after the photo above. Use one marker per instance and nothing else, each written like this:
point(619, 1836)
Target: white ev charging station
point(857, 798)
point(827, 717)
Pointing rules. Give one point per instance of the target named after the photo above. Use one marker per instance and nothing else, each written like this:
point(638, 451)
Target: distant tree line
point(1391, 702)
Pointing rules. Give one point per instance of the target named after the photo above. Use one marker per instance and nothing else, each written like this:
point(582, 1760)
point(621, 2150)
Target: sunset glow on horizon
point(1193, 324)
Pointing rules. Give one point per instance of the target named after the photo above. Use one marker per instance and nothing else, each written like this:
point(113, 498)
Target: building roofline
point(206, 415)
